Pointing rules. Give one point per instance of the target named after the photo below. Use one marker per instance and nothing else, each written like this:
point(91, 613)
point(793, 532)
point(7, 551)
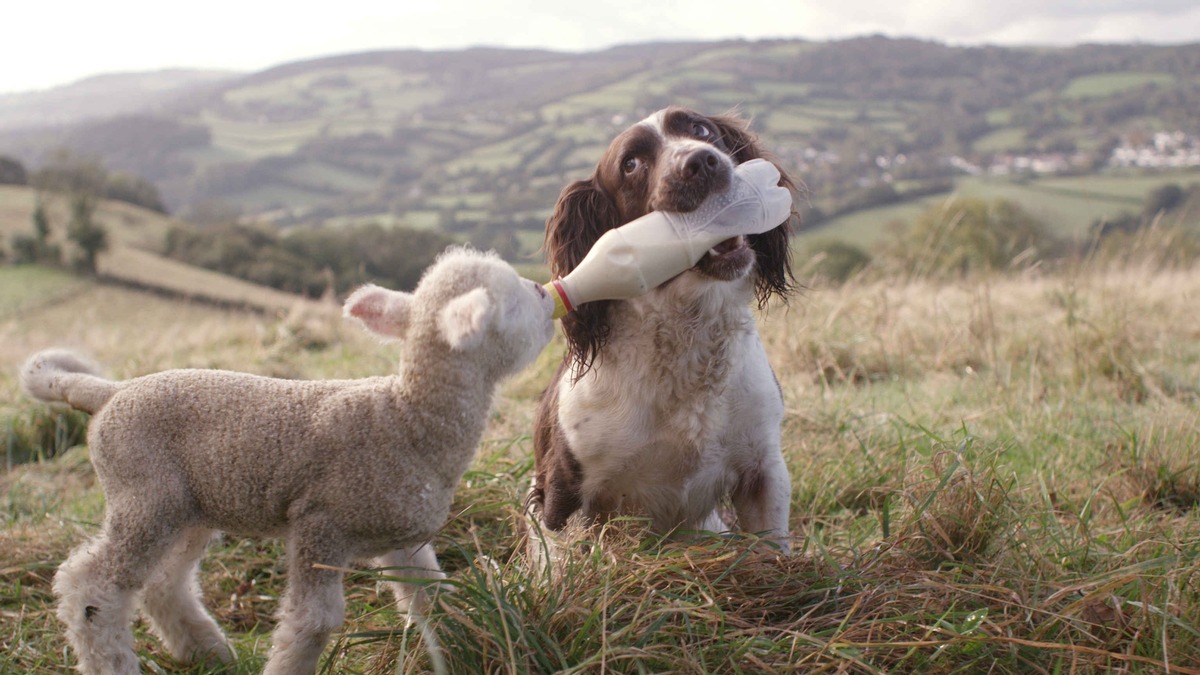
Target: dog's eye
point(630, 164)
point(701, 130)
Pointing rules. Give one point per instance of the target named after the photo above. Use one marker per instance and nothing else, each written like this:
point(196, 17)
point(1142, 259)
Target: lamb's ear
point(384, 312)
point(464, 321)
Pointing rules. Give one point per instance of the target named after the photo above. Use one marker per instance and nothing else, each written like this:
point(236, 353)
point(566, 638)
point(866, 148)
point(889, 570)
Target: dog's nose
point(700, 162)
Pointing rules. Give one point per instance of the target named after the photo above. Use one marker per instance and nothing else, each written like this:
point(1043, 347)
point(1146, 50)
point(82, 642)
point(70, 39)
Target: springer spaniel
point(665, 404)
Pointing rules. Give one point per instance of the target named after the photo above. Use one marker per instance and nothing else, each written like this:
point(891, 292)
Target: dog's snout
point(691, 173)
point(700, 162)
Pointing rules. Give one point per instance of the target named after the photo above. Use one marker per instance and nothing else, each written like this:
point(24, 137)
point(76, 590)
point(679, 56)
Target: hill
point(103, 96)
point(479, 142)
point(135, 235)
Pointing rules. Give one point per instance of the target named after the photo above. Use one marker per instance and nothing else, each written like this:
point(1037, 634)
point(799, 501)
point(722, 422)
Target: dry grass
point(990, 475)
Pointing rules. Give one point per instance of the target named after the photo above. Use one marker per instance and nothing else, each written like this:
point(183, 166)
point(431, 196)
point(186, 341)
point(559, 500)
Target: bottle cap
point(562, 304)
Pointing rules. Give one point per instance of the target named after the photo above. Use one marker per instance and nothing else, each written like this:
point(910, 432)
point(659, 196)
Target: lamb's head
point(473, 303)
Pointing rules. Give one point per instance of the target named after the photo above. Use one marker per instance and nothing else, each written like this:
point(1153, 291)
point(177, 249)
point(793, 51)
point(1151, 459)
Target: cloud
point(122, 35)
point(1054, 22)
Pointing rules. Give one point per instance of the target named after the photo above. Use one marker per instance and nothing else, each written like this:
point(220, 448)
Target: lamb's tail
point(58, 375)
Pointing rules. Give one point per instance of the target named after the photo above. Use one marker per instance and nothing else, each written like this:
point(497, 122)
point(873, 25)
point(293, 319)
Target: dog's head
point(670, 161)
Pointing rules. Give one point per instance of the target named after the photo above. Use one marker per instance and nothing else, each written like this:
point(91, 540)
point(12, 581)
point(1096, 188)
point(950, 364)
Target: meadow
point(1067, 204)
point(994, 474)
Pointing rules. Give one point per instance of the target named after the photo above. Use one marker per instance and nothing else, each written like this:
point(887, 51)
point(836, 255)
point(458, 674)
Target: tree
point(962, 236)
point(135, 190)
point(36, 248)
point(41, 221)
point(1163, 199)
point(90, 236)
point(12, 172)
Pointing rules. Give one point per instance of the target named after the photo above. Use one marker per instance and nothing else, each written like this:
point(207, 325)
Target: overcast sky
point(52, 42)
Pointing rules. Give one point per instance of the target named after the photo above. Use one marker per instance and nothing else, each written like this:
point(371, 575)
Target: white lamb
point(344, 469)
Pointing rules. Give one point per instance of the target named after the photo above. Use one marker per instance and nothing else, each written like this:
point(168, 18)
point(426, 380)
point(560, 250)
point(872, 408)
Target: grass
point(1000, 140)
point(1068, 205)
point(28, 287)
point(1107, 84)
point(318, 175)
point(989, 475)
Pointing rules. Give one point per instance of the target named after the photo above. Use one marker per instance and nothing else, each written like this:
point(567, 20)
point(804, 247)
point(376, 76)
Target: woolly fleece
point(344, 469)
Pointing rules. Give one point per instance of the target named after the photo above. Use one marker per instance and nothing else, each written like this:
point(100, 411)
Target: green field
point(322, 176)
point(251, 140)
point(28, 287)
point(1068, 205)
point(135, 236)
point(1111, 83)
point(1000, 140)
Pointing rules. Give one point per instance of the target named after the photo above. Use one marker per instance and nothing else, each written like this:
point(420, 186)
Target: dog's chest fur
point(664, 426)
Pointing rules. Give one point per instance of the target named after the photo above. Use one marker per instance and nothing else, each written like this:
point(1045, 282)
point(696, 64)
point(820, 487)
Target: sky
point(53, 42)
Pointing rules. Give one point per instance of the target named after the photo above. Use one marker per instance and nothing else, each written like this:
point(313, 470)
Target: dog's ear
point(464, 320)
point(772, 249)
point(384, 312)
point(734, 132)
point(773, 263)
point(582, 214)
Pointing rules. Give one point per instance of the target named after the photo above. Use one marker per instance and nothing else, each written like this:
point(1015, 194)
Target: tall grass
point(990, 474)
point(41, 435)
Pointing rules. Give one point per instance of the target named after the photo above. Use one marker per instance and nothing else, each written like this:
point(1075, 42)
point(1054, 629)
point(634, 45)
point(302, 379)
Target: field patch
point(1068, 205)
point(27, 287)
point(1107, 84)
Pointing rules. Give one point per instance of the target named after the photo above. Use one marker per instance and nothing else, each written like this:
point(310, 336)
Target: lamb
point(344, 469)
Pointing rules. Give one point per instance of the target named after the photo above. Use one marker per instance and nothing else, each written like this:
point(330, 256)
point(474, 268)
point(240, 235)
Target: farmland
point(1068, 205)
point(481, 141)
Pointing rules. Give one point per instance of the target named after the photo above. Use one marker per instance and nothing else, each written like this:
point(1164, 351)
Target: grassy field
point(1111, 83)
point(1068, 205)
point(134, 235)
point(991, 475)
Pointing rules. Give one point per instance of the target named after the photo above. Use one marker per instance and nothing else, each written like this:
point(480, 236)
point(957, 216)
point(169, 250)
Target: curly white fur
point(344, 469)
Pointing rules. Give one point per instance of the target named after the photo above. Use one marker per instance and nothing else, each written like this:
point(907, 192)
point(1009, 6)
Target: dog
point(665, 405)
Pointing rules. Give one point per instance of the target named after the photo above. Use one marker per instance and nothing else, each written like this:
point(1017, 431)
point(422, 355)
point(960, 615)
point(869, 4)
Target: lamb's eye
point(701, 130)
point(630, 164)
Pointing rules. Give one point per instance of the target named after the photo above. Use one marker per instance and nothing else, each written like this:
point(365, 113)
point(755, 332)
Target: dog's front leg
point(762, 500)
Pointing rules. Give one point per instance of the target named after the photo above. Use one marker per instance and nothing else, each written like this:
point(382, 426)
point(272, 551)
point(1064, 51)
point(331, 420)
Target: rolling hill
point(135, 234)
point(479, 142)
point(104, 96)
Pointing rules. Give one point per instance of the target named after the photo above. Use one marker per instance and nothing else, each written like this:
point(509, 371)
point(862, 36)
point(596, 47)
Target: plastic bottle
point(632, 259)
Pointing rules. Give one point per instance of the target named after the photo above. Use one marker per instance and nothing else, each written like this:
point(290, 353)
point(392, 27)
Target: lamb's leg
point(313, 606)
point(172, 603)
point(417, 562)
point(97, 586)
point(762, 500)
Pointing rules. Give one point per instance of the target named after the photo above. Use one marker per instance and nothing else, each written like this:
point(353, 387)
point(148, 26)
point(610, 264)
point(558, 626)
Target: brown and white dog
point(665, 404)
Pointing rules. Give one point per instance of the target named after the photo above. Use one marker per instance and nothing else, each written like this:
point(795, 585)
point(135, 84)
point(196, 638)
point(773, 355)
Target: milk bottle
point(632, 259)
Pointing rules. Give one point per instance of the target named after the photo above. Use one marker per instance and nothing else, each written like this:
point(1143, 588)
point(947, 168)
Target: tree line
point(311, 261)
point(81, 186)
